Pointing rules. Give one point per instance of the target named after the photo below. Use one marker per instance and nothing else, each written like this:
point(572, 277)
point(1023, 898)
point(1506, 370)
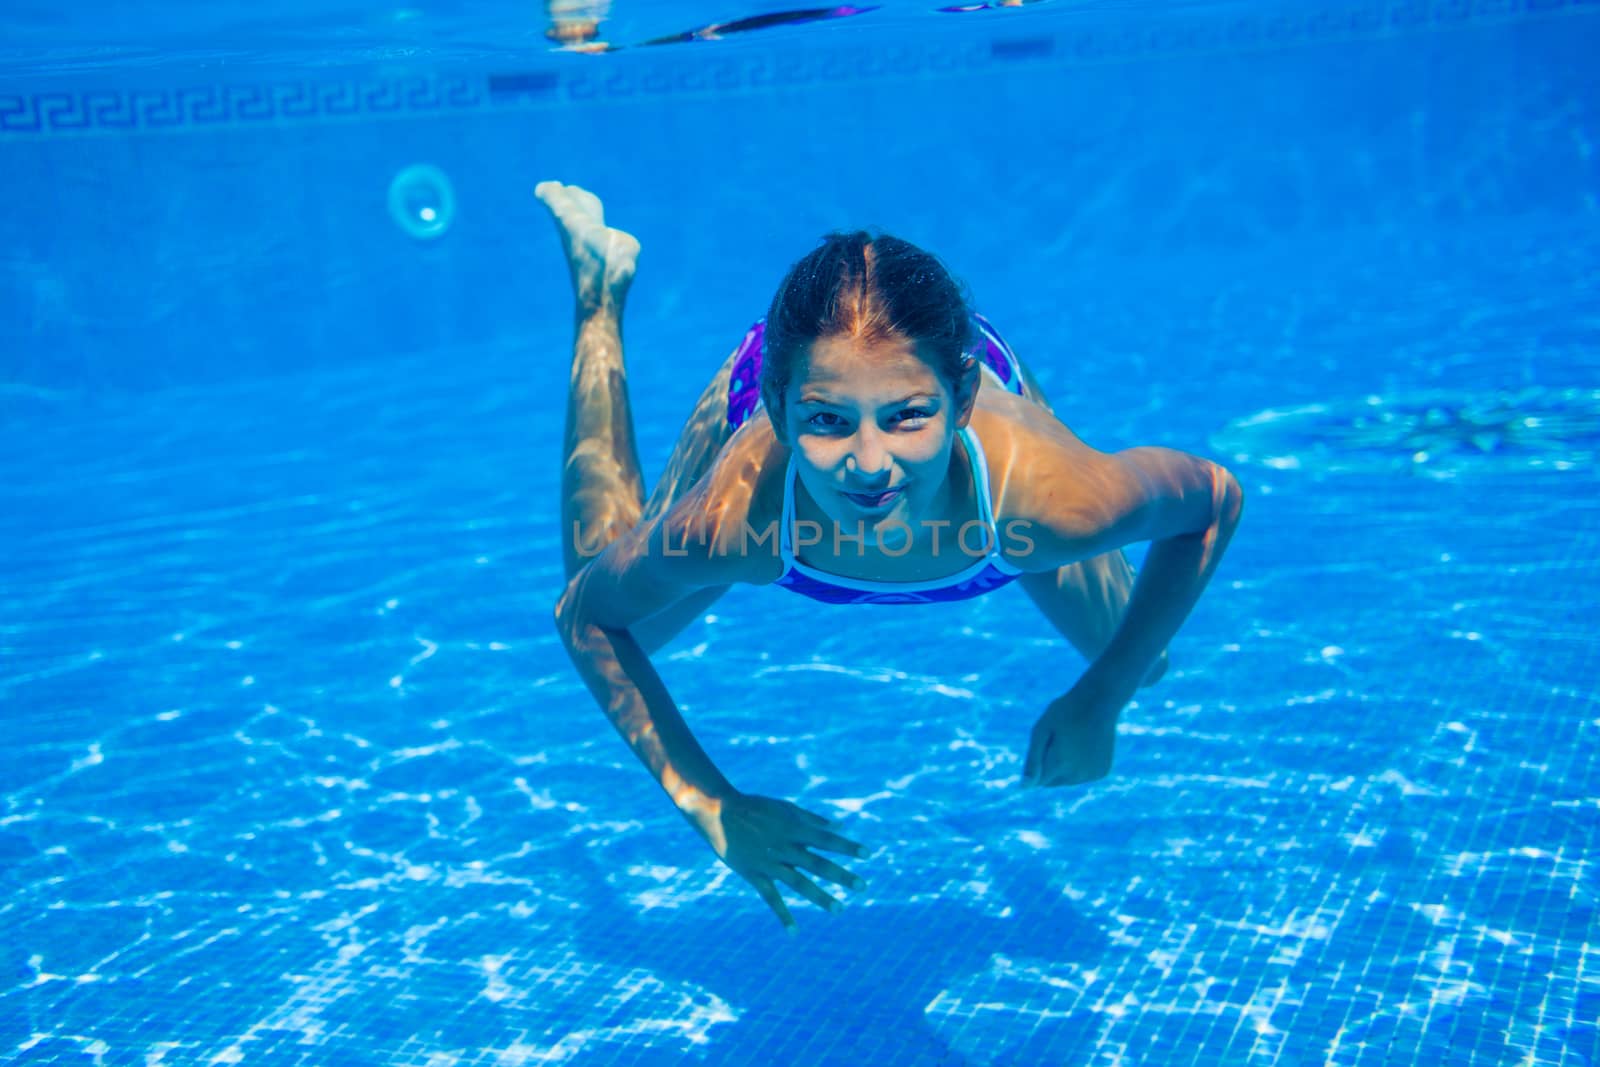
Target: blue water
point(295, 770)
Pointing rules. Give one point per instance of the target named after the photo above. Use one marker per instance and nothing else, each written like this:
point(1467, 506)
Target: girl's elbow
point(561, 615)
point(1230, 497)
point(1209, 502)
point(1227, 504)
point(568, 610)
point(586, 608)
point(1212, 503)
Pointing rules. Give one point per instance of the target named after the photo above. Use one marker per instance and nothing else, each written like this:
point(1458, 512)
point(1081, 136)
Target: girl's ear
point(966, 394)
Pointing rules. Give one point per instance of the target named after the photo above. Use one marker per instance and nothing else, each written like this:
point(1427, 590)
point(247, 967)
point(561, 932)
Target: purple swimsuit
point(987, 572)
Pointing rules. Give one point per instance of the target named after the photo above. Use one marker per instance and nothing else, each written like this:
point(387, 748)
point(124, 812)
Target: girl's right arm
point(629, 581)
point(766, 841)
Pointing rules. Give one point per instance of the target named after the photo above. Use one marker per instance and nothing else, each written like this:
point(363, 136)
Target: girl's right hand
point(766, 841)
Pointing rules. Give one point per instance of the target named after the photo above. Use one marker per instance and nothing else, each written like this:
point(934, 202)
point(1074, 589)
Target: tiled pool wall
point(195, 226)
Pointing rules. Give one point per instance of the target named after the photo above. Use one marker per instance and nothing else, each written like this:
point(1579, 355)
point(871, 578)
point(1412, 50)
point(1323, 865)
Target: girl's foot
point(601, 259)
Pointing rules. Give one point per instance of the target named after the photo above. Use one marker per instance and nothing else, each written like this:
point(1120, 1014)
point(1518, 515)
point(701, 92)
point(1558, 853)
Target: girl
point(871, 441)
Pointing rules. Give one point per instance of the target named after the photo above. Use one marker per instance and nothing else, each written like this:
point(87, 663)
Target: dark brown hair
point(871, 289)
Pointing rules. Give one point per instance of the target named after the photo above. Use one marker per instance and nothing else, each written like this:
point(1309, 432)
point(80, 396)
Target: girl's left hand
point(1073, 740)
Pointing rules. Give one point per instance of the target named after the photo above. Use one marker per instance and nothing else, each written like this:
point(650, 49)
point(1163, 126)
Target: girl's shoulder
point(1040, 473)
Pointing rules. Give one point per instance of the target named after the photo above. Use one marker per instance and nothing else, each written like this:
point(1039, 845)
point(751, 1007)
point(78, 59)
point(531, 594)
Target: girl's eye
point(913, 415)
point(826, 420)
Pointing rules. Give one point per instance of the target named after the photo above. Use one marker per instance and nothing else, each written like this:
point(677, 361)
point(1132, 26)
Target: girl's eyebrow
point(923, 398)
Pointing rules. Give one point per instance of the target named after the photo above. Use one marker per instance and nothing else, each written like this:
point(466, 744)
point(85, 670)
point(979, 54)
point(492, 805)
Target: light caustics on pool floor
point(348, 801)
point(296, 770)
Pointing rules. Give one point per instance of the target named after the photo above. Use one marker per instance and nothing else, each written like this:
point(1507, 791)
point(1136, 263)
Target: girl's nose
point(867, 458)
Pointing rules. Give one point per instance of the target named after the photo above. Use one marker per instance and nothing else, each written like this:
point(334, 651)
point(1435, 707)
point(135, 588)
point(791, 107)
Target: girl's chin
point(856, 510)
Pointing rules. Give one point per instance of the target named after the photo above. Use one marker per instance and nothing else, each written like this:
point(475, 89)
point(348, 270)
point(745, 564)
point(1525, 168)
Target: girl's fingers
point(779, 836)
point(834, 843)
point(824, 868)
point(812, 817)
point(807, 828)
point(806, 888)
point(774, 899)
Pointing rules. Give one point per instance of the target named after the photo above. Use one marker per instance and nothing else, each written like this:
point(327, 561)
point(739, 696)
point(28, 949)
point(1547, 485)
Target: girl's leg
point(699, 442)
point(702, 438)
point(602, 491)
point(602, 488)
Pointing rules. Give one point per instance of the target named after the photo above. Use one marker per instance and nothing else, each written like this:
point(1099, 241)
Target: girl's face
point(871, 427)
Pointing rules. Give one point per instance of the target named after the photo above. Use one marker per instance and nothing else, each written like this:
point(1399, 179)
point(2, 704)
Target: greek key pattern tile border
point(115, 111)
point(580, 79)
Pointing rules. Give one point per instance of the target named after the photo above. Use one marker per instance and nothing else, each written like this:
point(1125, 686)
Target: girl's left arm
point(1187, 507)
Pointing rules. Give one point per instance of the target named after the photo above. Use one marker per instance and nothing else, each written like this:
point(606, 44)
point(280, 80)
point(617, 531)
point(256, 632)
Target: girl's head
point(866, 289)
point(866, 375)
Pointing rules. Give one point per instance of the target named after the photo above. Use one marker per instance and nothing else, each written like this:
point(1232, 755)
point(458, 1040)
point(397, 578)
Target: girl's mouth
point(875, 501)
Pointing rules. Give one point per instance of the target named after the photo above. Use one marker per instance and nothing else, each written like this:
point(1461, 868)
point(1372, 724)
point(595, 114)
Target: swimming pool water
point(295, 770)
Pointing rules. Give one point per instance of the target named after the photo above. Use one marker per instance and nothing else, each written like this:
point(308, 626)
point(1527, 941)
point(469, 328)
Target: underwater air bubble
point(422, 202)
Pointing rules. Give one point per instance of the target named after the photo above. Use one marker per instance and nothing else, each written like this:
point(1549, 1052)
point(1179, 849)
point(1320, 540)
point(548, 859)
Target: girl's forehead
point(842, 360)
